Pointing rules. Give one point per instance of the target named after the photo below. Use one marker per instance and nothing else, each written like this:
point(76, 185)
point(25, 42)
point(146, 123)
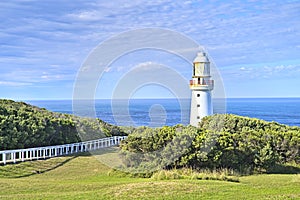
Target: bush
point(222, 141)
point(26, 126)
point(188, 173)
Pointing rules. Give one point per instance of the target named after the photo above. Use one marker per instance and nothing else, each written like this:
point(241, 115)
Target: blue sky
point(254, 44)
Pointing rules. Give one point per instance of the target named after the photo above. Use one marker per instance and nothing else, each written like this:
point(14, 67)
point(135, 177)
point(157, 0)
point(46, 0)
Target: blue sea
point(159, 112)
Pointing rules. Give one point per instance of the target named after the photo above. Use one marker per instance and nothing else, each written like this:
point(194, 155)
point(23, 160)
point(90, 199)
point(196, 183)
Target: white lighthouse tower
point(201, 86)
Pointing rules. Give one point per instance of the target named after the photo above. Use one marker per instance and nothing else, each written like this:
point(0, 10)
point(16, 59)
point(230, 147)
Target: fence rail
point(21, 155)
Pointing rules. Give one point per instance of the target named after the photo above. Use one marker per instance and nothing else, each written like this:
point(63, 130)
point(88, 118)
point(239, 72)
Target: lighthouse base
point(201, 106)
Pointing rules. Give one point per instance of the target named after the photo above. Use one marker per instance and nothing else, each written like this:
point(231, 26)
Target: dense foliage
point(150, 149)
point(222, 141)
point(24, 126)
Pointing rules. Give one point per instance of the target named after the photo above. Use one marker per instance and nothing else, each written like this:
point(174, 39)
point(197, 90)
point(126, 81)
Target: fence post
point(44, 151)
point(4, 158)
point(22, 156)
point(14, 157)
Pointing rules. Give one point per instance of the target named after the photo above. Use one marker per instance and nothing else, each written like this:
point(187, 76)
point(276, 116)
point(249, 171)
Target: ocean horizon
point(159, 112)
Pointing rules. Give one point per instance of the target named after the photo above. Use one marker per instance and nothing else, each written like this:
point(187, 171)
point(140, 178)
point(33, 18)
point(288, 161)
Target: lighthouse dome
point(201, 57)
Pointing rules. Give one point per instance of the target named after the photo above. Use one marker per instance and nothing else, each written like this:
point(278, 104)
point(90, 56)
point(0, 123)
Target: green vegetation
point(179, 162)
point(183, 173)
point(223, 141)
point(25, 126)
point(84, 177)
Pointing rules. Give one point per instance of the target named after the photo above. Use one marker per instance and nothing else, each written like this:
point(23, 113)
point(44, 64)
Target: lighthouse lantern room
point(201, 86)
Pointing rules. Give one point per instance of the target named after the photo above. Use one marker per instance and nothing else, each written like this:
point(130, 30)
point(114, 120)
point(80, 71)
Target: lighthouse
point(201, 86)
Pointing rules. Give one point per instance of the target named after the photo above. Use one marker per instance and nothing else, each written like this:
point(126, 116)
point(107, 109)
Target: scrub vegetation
point(226, 157)
point(223, 141)
point(26, 126)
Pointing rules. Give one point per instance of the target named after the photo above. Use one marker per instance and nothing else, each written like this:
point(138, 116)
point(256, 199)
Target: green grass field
point(84, 177)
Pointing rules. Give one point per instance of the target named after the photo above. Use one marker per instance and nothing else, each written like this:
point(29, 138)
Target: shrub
point(26, 126)
point(222, 141)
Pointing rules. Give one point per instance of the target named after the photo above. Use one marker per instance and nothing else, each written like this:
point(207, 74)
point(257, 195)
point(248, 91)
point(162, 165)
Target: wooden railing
point(21, 155)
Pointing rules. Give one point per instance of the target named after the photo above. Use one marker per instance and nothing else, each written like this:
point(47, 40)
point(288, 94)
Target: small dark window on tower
point(198, 95)
point(198, 105)
point(198, 117)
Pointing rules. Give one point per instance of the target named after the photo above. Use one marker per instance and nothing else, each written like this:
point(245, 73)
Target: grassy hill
point(24, 126)
point(235, 142)
point(84, 177)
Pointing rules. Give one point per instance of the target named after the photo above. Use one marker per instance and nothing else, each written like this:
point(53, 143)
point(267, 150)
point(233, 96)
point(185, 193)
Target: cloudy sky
point(255, 44)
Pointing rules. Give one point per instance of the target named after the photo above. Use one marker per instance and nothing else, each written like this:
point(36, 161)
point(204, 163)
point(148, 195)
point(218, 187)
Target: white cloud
point(145, 65)
point(14, 84)
point(107, 69)
point(151, 67)
point(34, 76)
point(120, 68)
point(87, 15)
point(262, 71)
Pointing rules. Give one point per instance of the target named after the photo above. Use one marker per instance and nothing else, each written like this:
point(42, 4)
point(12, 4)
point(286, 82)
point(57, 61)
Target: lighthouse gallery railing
point(204, 83)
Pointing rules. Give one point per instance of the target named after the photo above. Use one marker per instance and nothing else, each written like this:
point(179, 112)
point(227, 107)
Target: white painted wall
point(202, 98)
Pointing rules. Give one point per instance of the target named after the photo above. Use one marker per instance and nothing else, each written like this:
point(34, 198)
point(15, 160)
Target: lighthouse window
point(198, 95)
point(198, 105)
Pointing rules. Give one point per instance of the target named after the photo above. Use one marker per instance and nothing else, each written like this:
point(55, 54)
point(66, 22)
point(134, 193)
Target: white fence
point(21, 155)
